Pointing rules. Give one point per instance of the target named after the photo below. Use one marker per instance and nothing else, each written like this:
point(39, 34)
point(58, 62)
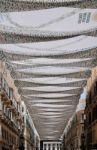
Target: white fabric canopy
point(55, 23)
point(69, 46)
point(50, 88)
point(50, 75)
point(51, 80)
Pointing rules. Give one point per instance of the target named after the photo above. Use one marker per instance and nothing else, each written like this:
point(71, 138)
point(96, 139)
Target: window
point(22, 109)
point(94, 113)
point(88, 99)
point(2, 133)
point(53, 147)
point(10, 93)
point(95, 88)
point(89, 118)
point(82, 129)
point(18, 107)
point(49, 146)
point(44, 146)
point(58, 147)
point(82, 117)
point(1, 81)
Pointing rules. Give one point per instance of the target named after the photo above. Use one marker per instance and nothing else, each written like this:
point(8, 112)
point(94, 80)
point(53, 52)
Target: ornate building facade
point(11, 120)
point(74, 135)
point(31, 138)
point(51, 145)
point(91, 111)
point(17, 131)
point(45, 63)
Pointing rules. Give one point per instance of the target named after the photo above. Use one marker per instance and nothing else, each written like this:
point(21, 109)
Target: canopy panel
point(55, 23)
point(49, 82)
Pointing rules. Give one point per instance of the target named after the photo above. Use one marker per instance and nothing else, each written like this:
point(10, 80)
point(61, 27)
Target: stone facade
point(73, 137)
point(11, 120)
point(17, 131)
point(91, 112)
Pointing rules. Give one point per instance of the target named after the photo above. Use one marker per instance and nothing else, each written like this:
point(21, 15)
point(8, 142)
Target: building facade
point(73, 138)
point(31, 137)
point(11, 120)
point(82, 129)
point(17, 131)
point(51, 145)
point(91, 112)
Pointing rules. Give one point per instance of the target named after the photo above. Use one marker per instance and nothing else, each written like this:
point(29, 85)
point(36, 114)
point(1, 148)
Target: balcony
point(5, 118)
point(14, 127)
point(8, 121)
point(5, 98)
point(14, 110)
point(2, 115)
point(19, 117)
point(4, 95)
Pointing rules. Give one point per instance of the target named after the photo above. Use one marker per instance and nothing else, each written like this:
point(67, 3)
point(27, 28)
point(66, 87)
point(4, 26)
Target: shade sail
point(19, 5)
point(76, 74)
point(51, 89)
point(81, 54)
point(54, 62)
point(80, 45)
point(51, 102)
point(51, 95)
point(60, 23)
point(49, 70)
point(47, 61)
point(49, 82)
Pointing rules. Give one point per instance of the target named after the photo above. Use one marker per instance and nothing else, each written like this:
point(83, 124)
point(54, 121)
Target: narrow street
point(48, 74)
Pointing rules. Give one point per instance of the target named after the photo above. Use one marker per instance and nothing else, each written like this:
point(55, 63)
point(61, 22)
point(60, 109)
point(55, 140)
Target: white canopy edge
point(66, 46)
point(62, 22)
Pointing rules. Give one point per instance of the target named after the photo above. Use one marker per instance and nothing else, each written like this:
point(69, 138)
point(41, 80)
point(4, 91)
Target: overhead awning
point(77, 47)
point(50, 77)
point(56, 23)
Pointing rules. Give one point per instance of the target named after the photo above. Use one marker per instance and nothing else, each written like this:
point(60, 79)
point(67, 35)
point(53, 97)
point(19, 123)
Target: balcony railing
point(7, 101)
point(4, 117)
